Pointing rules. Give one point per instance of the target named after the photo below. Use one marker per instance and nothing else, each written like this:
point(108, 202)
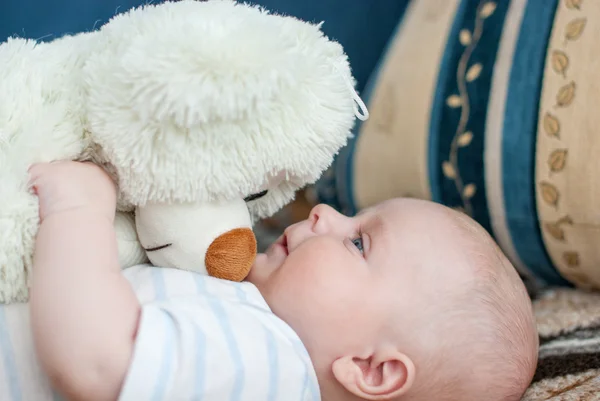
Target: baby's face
point(373, 294)
point(337, 281)
point(316, 276)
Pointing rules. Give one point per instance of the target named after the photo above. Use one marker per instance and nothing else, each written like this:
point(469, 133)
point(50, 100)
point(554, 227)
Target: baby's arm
point(84, 312)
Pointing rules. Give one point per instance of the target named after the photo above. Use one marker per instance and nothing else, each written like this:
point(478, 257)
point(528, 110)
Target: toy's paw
point(130, 250)
point(231, 255)
point(19, 221)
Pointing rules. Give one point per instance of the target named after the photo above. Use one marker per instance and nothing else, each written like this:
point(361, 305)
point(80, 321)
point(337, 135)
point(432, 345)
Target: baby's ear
point(384, 376)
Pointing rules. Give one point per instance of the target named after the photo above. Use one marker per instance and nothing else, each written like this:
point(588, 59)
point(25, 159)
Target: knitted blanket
point(569, 358)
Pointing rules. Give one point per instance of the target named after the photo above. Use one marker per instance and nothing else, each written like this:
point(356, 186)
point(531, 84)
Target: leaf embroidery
point(566, 94)
point(487, 9)
point(551, 125)
point(557, 160)
point(474, 72)
point(465, 139)
point(565, 220)
point(574, 4)
point(555, 231)
point(448, 170)
point(464, 37)
point(550, 193)
point(571, 258)
point(469, 191)
point(384, 112)
point(560, 62)
point(454, 101)
point(575, 28)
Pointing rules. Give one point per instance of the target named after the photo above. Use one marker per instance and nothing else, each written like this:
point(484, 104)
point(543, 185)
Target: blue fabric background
point(361, 26)
point(445, 120)
point(518, 142)
point(51, 18)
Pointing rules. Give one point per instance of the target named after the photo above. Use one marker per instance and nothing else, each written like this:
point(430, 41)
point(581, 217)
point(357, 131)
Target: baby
point(406, 301)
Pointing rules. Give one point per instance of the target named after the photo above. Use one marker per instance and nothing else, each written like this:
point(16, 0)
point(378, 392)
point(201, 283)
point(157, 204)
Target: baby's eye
point(358, 242)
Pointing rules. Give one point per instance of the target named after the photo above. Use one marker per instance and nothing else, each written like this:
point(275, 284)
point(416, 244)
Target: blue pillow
point(363, 27)
point(49, 19)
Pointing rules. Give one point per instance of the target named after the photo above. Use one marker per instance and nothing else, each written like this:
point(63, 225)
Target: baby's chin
point(268, 262)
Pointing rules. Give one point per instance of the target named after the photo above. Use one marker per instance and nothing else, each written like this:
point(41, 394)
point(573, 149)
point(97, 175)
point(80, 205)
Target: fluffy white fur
point(185, 102)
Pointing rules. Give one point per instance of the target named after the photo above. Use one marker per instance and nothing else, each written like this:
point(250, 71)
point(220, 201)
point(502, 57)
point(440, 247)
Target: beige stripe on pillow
point(391, 152)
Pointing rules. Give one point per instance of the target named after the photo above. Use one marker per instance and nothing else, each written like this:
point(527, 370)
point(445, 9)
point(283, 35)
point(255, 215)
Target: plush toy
point(209, 115)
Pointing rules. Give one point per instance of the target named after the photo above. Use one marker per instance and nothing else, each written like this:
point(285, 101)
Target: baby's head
point(408, 300)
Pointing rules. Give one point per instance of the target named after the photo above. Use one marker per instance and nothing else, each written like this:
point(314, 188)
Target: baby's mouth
point(282, 241)
point(285, 245)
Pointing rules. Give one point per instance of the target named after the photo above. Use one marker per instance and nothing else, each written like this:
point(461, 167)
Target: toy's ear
point(190, 62)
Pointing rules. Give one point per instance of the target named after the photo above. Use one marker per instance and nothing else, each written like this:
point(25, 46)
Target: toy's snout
point(213, 238)
point(230, 256)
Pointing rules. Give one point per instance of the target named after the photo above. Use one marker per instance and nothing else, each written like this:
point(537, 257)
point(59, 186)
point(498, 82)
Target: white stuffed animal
point(209, 115)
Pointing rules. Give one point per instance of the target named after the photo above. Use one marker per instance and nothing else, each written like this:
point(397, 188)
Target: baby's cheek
point(310, 292)
point(297, 271)
point(320, 274)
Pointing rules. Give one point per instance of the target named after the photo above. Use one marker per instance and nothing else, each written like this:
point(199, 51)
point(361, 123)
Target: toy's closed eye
point(157, 248)
point(256, 196)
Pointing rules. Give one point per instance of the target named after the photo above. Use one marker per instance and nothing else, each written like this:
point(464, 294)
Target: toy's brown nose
point(231, 255)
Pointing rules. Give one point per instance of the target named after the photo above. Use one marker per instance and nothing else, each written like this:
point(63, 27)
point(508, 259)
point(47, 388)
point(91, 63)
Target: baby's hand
point(65, 186)
point(84, 346)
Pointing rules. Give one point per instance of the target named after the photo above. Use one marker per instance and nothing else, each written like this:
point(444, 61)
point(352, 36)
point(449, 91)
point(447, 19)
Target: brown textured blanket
point(569, 359)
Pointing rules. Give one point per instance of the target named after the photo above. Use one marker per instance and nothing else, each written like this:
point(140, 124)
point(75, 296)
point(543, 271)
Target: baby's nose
point(231, 255)
point(324, 218)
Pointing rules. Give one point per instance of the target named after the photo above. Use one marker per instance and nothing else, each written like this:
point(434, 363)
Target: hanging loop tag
point(360, 108)
point(361, 112)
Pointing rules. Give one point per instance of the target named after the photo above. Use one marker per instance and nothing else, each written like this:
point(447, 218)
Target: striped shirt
point(199, 338)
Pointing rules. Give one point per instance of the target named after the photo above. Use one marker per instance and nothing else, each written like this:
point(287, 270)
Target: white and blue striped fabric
point(199, 338)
